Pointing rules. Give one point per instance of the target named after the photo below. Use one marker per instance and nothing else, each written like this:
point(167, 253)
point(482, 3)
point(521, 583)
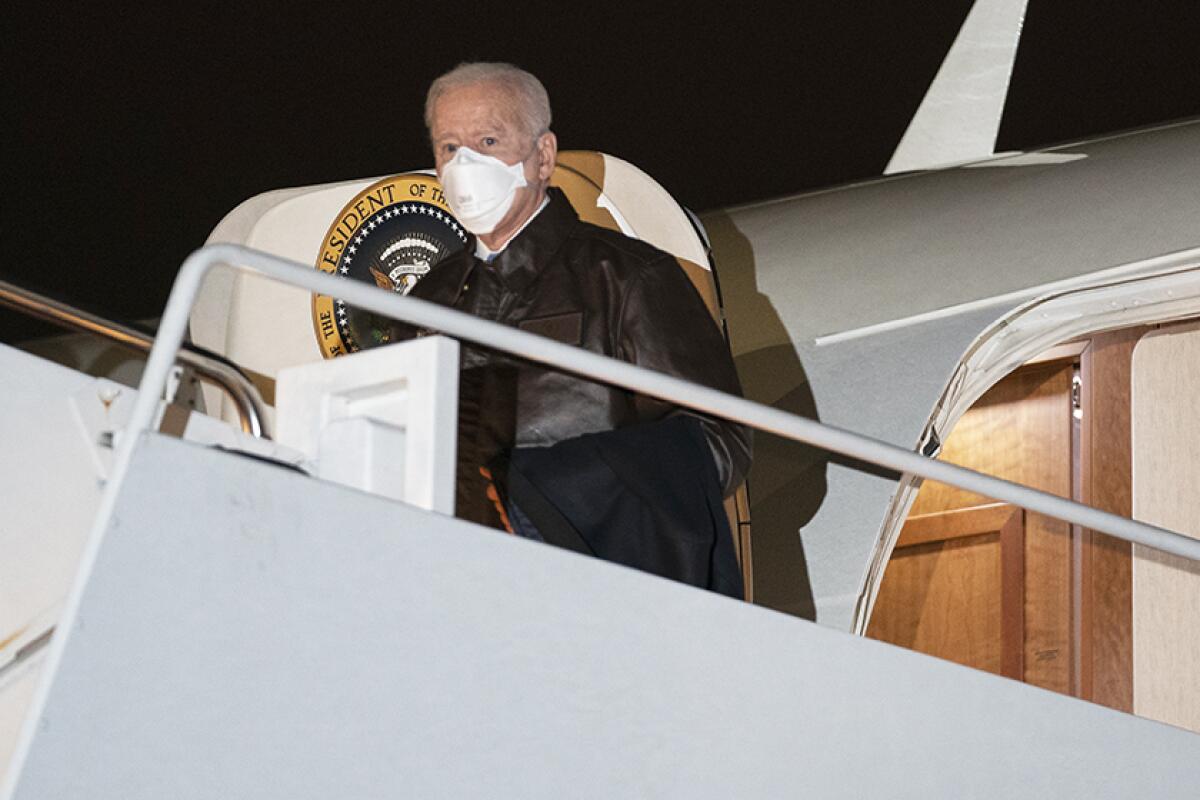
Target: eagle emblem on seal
point(391, 234)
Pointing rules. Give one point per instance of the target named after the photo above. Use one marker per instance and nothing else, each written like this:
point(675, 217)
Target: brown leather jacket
point(603, 291)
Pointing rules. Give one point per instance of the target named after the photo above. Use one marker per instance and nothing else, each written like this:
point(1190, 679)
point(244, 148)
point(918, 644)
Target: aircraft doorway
point(994, 587)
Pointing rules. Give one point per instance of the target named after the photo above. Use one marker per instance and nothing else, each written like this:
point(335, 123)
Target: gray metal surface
point(864, 254)
point(249, 632)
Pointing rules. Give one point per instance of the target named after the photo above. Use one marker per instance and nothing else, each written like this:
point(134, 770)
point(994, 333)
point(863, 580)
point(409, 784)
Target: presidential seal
point(391, 235)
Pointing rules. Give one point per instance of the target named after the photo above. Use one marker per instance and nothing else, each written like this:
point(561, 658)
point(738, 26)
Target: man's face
point(480, 116)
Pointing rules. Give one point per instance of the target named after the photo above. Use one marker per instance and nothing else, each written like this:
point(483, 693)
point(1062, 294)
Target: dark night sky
point(130, 133)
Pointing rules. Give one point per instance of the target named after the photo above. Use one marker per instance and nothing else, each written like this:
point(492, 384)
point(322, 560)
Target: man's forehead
point(486, 103)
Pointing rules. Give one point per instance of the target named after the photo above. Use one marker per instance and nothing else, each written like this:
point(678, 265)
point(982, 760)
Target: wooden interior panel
point(953, 524)
point(1069, 592)
point(943, 599)
point(953, 589)
point(1010, 432)
point(1106, 585)
point(1012, 595)
point(1020, 430)
point(1048, 634)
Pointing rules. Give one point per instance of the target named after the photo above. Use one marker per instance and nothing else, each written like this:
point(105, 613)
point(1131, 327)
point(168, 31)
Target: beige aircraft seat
point(264, 326)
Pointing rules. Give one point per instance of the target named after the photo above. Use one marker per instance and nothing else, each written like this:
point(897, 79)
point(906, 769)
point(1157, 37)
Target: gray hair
point(533, 104)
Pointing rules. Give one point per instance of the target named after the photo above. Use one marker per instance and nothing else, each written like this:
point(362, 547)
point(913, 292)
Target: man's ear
point(547, 149)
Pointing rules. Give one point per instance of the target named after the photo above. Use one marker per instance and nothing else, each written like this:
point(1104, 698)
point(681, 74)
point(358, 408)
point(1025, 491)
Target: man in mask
point(534, 265)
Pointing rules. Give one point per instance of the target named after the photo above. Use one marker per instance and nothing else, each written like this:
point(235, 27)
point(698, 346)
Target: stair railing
point(605, 370)
point(247, 400)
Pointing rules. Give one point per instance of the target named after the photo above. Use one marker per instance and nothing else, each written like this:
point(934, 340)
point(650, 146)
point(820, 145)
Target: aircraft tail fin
point(960, 115)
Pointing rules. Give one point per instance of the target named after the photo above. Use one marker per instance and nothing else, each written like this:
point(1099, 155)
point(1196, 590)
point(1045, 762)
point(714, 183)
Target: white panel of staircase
point(51, 477)
point(409, 388)
point(250, 632)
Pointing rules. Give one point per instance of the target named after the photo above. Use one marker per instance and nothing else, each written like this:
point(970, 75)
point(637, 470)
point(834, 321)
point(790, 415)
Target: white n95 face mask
point(480, 189)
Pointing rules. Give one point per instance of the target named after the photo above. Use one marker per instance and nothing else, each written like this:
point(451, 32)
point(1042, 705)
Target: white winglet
point(960, 115)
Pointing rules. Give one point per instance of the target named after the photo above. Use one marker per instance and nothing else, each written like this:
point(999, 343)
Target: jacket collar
point(520, 263)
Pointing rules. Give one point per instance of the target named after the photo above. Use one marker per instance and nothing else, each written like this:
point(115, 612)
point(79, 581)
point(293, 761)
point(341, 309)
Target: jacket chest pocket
point(566, 328)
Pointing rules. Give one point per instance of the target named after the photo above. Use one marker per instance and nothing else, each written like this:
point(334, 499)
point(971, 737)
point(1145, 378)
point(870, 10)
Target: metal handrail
point(214, 369)
point(599, 368)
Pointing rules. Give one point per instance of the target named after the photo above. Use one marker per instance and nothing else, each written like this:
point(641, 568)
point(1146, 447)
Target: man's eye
point(489, 141)
point(449, 148)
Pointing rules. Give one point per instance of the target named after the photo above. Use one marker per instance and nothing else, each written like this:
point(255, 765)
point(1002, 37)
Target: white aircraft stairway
point(247, 631)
